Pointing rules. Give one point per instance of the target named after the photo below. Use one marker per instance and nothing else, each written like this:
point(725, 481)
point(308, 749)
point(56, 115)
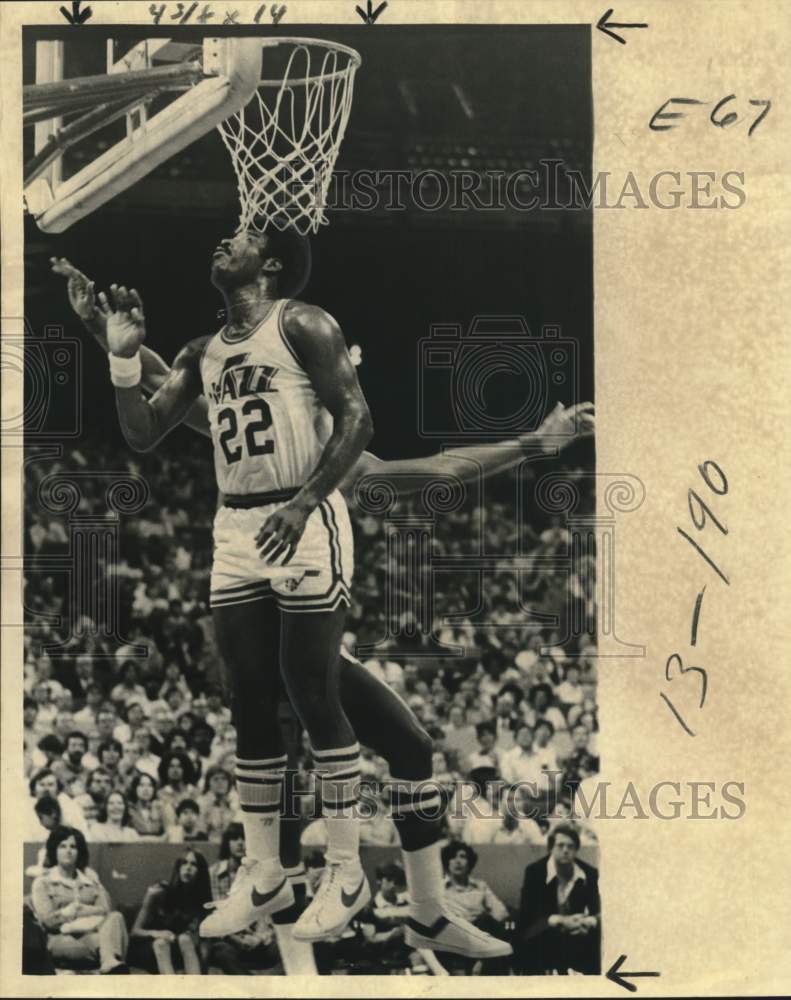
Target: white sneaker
point(254, 894)
point(448, 932)
point(343, 892)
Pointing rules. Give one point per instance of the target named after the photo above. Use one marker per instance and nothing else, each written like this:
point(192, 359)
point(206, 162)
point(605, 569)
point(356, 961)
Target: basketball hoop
point(285, 141)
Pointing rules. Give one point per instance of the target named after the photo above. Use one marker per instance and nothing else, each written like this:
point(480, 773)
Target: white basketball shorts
point(319, 574)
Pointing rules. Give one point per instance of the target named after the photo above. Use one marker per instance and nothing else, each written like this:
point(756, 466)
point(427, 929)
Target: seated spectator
point(128, 688)
point(145, 810)
point(31, 731)
point(539, 706)
point(223, 743)
point(523, 766)
point(84, 677)
point(70, 768)
point(472, 899)
point(542, 745)
point(460, 736)
point(43, 784)
point(170, 915)
point(188, 827)
point(176, 782)
point(135, 719)
point(217, 714)
point(146, 760)
point(512, 831)
point(109, 754)
point(475, 818)
point(202, 738)
point(581, 763)
point(49, 816)
point(569, 692)
point(173, 677)
point(487, 754)
point(87, 717)
point(98, 787)
point(63, 725)
point(162, 723)
point(558, 928)
point(74, 908)
point(45, 703)
point(106, 721)
point(49, 749)
point(219, 804)
point(113, 824)
point(506, 719)
point(176, 701)
point(254, 947)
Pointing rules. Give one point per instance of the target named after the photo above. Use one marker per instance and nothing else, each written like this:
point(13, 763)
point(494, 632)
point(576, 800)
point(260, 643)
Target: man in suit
point(559, 924)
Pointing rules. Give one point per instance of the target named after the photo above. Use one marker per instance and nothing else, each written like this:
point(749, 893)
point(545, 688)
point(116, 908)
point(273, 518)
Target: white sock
point(339, 772)
point(260, 787)
point(425, 878)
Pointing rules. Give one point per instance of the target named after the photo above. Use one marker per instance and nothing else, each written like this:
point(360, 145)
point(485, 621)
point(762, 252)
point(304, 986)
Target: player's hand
point(126, 327)
point(566, 423)
point(82, 297)
point(280, 534)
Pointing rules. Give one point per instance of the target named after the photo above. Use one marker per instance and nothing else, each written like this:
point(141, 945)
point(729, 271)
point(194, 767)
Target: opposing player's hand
point(82, 296)
point(566, 423)
point(280, 534)
point(126, 327)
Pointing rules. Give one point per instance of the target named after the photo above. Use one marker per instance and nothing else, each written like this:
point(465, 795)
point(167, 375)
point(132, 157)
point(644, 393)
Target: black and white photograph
point(328, 671)
point(342, 638)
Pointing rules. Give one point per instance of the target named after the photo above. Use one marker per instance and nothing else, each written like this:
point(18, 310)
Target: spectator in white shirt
point(520, 764)
point(570, 691)
point(135, 717)
point(460, 736)
point(86, 719)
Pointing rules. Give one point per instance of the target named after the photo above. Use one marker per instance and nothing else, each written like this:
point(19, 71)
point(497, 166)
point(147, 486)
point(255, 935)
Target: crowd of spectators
point(127, 731)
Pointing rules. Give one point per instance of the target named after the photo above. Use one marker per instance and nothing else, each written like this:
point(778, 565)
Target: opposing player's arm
point(316, 340)
point(145, 422)
point(558, 430)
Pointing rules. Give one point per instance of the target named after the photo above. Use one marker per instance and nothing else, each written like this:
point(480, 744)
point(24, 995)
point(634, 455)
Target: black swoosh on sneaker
point(349, 899)
point(262, 898)
point(428, 930)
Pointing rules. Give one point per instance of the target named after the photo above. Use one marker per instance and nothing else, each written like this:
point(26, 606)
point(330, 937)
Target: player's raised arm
point(145, 422)
point(155, 369)
point(563, 426)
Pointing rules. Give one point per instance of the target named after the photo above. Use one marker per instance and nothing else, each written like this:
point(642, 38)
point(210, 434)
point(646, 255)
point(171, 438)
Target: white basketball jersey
point(267, 423)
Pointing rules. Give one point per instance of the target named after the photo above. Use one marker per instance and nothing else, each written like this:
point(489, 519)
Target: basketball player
point(380, 718)
point(288, 421)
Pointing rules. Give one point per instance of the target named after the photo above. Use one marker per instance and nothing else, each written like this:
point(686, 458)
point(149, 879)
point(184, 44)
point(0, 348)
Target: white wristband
point(125, 373)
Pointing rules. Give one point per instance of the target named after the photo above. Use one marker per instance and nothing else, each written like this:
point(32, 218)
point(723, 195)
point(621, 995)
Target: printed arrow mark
point(604, 25)
point(371, 15)
point(614, 973)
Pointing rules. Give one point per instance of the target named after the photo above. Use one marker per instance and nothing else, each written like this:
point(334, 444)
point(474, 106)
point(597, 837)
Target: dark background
point(386, 277)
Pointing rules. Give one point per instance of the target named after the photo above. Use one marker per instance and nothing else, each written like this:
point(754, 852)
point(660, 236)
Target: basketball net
point(285, 141)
